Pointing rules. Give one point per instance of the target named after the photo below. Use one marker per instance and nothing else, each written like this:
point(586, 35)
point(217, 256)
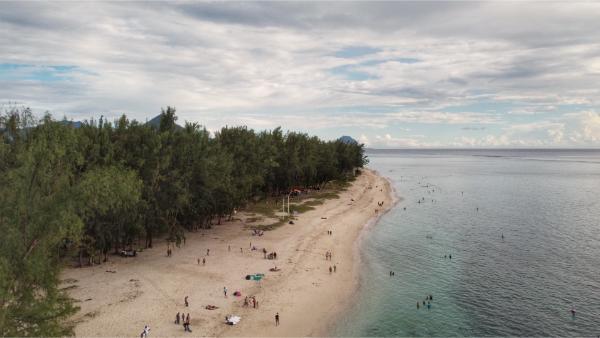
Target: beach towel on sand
point(233, 320)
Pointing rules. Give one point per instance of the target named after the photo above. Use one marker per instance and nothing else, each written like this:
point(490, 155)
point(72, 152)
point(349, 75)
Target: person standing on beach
point(334, 268)
point(330, 270)
point(225, 291)
point(203, 261)
point(146, 332)
point(185, 300)
point(177, 318)
point(208, 252)
point(277, 319)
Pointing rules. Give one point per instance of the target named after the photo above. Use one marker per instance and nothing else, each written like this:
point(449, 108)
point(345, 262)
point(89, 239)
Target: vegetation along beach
point(112, 227)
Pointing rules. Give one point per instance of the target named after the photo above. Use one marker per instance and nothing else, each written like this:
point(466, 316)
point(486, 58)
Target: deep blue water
point(546, 204)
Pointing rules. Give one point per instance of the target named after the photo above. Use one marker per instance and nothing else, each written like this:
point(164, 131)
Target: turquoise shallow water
point(546, 204)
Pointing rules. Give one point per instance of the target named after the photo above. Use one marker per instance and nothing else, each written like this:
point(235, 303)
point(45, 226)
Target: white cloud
point(267, 64)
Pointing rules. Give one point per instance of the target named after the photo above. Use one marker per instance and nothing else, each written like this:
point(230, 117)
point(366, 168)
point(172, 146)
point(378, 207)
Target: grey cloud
point(226, 59)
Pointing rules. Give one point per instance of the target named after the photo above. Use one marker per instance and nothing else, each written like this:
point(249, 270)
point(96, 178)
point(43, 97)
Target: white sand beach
point(150, 288)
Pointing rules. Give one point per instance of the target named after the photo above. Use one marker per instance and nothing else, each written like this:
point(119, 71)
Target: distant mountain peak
point(347, 139)
point(155, 122)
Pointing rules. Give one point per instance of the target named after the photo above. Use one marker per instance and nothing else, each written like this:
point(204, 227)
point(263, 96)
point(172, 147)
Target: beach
point(119, 297)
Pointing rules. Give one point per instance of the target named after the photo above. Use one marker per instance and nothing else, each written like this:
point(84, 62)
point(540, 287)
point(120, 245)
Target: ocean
point(523, 229)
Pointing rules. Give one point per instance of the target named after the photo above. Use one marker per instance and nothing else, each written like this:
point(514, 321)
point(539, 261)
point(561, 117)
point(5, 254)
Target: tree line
point(89, 190)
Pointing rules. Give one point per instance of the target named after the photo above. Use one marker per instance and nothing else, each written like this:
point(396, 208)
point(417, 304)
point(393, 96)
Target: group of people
point(183, 319)
point(426, 302)
point(380, 203)
point(333, 269)
point(252, 300)
point(328, 255)
point(392, 273)
point(329, 232)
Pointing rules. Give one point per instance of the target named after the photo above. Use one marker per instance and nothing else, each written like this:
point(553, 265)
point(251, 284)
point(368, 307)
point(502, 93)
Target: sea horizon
point(481, 210)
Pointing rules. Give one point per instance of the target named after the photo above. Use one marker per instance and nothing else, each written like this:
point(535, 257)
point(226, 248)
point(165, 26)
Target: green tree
point(37, 214)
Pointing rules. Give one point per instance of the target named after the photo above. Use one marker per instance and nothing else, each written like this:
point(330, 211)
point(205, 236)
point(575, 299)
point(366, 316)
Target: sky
point(426, 74)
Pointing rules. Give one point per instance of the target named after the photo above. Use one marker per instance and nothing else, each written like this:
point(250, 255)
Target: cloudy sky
point(391, 74)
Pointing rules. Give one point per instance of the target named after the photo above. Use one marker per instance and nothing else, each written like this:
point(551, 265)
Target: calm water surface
point(546, 204)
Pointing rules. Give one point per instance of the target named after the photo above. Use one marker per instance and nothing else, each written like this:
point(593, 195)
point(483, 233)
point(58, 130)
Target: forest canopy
point(97, 186)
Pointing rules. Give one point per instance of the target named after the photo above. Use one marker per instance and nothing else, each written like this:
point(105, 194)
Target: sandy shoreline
point(150, 288)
